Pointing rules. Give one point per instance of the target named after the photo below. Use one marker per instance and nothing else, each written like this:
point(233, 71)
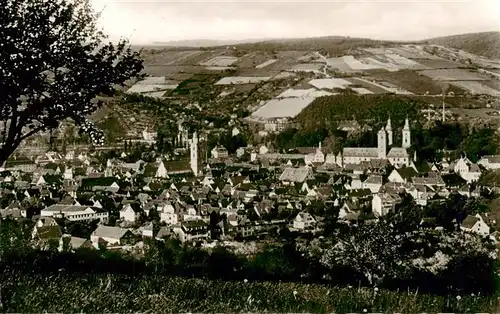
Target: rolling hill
point(485, 44)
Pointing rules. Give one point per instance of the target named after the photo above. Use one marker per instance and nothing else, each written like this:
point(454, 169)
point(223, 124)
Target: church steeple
point(388, 128)
point(194, 153)
point(406, 134)
point(382, 144)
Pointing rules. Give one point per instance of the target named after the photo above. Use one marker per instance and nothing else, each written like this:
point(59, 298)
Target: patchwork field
point(251, 77)
point(170, 70)
point(441, 64)
point(330, 83)
point(307, 67)
point(266, 63)
point(252, 60)
point(413, 82)
point(230, 80)
point(475, 87)
point(284, 107)
point(453, 75)
point(219, 61)
point(153, 87)
point(311, 92)
point(366, 84)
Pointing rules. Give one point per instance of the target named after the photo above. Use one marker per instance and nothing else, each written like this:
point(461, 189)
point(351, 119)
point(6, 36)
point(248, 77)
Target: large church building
point(397, 156)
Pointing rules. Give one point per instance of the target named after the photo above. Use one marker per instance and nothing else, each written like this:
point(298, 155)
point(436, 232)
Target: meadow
point(66, 292)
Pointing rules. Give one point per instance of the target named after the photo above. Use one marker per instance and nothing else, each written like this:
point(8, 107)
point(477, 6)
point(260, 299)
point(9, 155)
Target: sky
point(146, 22)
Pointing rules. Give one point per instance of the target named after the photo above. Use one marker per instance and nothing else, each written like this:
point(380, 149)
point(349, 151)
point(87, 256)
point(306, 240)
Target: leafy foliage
point(326, 111)
point(54, 63)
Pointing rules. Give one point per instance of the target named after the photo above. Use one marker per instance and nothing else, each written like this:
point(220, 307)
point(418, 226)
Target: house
point(373, 182)
point(112, 235)
point(475, 224)
point(383, 203)
point(70, 243)
point(168, 214)
point(347, 208)
point(490, 162)
point(75, 212)
point(469, 171)
point(161, 172)
point(296, 175)
point(130, 212)
point(192, 230)
point(304, 221)
point(402, 175)
point(147, 230)
point(46, 233)
point(219, 152)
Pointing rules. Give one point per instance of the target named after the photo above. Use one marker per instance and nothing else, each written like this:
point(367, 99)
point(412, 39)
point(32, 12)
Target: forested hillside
point(484, 44)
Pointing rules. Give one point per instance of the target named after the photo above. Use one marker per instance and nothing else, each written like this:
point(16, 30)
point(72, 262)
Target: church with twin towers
point(397, 156)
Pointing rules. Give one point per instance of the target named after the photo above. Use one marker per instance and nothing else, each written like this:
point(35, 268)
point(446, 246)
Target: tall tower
point(382, 144)
point(194, 153)
point(444, 112)
point(406, 134)
point(388, 128)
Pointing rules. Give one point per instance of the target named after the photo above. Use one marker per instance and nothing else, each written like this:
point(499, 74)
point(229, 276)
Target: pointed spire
point(389, 127)
point(407, 123)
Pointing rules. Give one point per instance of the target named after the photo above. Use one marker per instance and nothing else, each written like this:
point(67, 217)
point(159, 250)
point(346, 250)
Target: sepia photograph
point(249, 156)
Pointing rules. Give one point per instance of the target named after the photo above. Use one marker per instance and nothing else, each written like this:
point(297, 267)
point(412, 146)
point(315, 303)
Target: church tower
point(406, 134)
point(388, 128)
point(382, 144)
point(194, 153)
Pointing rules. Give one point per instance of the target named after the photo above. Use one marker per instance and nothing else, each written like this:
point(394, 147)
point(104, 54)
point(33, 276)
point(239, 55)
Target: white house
point(111, 235)
point(129, 213)
point(75, 212)
point(219, 152)
point(193, 230)
point(374, 183)
point(235, 131)
point(383, 203)
point(316, 157)
point(475, 224)
point(168, 214)
point(490, 162)
point(304, 221)
point(161, 172)
point(469, 171)
point(68, 174)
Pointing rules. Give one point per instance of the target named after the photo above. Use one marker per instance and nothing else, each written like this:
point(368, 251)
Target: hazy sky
point(146, 21)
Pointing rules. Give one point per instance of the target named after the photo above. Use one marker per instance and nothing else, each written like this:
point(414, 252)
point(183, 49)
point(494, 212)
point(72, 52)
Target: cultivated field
point(219, 61)
point(251, 60)
point(170, 70)
point(413, 82)
point(339, 64)
point(361, 90)
point(307, 67)
point(366, 84)
point(440, 64)
point(406, 51)
point(311, 92)
point(476, 88)
point(230, 80)
point(266, 63)
point(453, 75)
point(330, 83)
point(391, 88)
point(170, 57)
point(284, 107)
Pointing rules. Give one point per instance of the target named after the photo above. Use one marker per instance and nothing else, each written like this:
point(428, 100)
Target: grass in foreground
point(113, 293)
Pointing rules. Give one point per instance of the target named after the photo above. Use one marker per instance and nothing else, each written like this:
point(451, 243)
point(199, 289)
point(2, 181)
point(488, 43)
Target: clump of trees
point(55, 61)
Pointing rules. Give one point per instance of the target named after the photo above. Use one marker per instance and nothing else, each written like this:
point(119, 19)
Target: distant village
point(230, 199)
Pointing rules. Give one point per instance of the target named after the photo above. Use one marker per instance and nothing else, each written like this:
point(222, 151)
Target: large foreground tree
point(54, 61)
